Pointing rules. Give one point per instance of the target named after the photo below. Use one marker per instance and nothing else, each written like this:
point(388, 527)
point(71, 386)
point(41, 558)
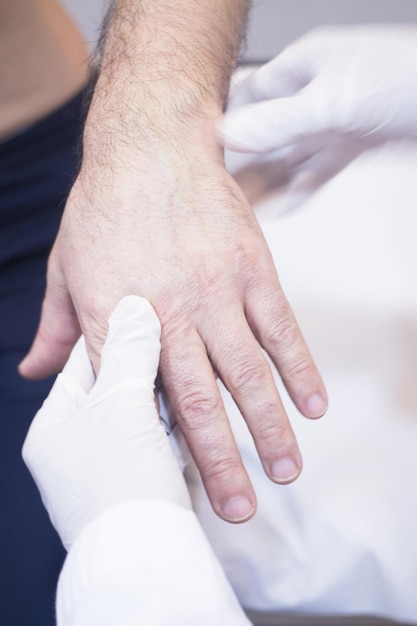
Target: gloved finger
point(275, 124)
point(301, 188)
point(70, 389)
point(239, 94)
point(62, 403)
point(312, 174)
point(280, 78)
point(130, 356)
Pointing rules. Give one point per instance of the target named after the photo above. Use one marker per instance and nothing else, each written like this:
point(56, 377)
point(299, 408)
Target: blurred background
point(275, 23)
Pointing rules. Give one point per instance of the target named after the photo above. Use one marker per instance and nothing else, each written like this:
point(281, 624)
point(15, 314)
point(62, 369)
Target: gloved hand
point(94, 445)
point(325, 99)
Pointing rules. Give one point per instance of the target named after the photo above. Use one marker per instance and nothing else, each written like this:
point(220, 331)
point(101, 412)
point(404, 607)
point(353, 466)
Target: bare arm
point(182, 48)
point(155, 213)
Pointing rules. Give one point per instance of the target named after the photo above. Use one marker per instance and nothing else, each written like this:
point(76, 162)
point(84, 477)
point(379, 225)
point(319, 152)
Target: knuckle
point(295, 360)
point(284, 335)
point(195, 410)
point(300, 370)
point(247, 376)
point(276, 433)
point(285, 342)
point(219, 467)
point(255, 264)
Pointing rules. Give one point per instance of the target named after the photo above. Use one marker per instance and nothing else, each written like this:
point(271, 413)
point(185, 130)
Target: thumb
point(130, 356)
point(57, 333)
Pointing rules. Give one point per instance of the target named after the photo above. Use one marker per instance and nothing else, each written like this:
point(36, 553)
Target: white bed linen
point(342, 538)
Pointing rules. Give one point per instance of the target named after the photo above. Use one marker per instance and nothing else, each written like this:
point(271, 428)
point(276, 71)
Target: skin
point(43, 61)
point(155, 213)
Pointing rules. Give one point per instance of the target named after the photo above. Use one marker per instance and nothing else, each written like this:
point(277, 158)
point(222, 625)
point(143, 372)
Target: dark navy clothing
point(37, 168)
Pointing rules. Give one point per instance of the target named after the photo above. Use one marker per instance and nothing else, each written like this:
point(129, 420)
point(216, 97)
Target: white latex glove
point(94, 445)
point(325, 99)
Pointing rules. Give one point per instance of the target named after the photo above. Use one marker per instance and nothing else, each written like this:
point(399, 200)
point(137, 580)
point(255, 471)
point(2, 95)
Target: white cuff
point(145, 562)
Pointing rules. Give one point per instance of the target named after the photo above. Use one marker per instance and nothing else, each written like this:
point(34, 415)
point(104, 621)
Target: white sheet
point(341, 539)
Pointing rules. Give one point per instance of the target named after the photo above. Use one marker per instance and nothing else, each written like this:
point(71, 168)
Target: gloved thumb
point(130, 356)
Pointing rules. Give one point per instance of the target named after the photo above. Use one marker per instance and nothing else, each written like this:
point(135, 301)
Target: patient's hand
point(194, 249)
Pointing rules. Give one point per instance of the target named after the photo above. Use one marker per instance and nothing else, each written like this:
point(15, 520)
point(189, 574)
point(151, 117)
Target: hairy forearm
point(164, 62)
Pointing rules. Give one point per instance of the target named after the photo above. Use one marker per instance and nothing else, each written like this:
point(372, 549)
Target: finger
point(70, 389)
point(62, 403)
point(179, 447)
point(309, 175)
point(275, 326)
point(327, 162)
point(57, 333)
point(247, 375)
point(198, 408)
point(239, 90)
point(298, 65)
point(130, 356)
point(281, 77)
point(275, 124)
point(176, 438)
point(67, 395)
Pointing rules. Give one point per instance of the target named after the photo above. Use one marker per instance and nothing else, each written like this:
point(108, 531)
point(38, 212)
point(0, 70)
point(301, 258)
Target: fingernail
point(237, 509)
point(316, 406)
point(284, 470)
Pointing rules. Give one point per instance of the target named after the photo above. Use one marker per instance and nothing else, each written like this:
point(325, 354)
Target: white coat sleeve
point(145, 563)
